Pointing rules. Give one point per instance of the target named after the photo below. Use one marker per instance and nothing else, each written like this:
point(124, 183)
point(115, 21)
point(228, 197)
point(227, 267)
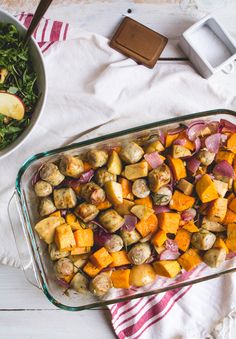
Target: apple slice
point(11, 106)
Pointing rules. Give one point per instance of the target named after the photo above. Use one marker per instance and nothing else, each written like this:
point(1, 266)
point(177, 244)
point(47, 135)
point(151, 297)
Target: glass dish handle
point(21, 236)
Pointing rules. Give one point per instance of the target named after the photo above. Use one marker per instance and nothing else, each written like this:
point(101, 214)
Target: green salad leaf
point(21, 80)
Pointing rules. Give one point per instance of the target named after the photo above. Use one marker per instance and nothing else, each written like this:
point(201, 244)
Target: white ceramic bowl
point(39, 68)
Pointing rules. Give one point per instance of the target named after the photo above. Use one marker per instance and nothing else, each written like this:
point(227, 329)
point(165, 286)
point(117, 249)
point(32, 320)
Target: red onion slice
point(36, 176)
point(225, 169)
point(188, 214)
point(230, 255)
point(130, 223)
point(227, 126)
point(160, 209)
point(100, 237)
point(213, 142)
point(176, 130)
point(192, 164)
point(153, 159)
point(180, 142)
point(194, 129)
point(99, 225)
point(86, 176)
point(169, 255)
point(171, 245)
point(161, 135)
point(63, 283)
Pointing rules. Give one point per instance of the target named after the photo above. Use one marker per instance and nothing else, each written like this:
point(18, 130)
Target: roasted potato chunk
point(64, 198)
point(102, 176)
point(114, 164)
point(86, 212)
point(142, 275)
point(50, 173)
point(203, 240)
point(214, 257)
point(206, 157)
point(80, 283)
point(114, 192)
point(130, 237)
point(212, 226)
point(124, 208)
point(131, 152)
point(140, 188)
point(114, 243)
point(159, 177)
point(71, 166)
point(155, 146)
point(42, 188)
point(142, 211)
point(97, 158)
point(185, 186)
point(111, 220)
point(46, 228)
point(55, 254)
point(92, 193)
point(180, 151)
point(46, 207)
point(136, 171)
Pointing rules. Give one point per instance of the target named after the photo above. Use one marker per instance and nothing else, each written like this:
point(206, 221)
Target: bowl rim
point(26, 133)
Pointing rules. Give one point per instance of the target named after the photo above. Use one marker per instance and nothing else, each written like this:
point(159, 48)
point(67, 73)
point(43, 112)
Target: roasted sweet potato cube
point(230, 217)
point(91, 269)
point(231, 143)
point(159, 238)
point(147, 226)
point(80, 250)
point(189, 260)
point(232, 205)
point(84, 237)
point(231, 244)
point(181, 201)
point(183, 239)
point(178, 168)
point(119, 258)
point(191, 227)
point(231, 231)
point(126, 188)
point(167, 268)
point(220, 243)
point(120, 278)
point(225, 155)
point(64, 238)
point(206, 189)
point(72, 220)
point(169, 222)
point(144, 201)
point(101, 258)
point(170, 138)
point(217, 210)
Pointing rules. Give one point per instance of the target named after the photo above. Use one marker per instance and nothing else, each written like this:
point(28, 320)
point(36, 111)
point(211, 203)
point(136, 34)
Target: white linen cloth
point(94, 90)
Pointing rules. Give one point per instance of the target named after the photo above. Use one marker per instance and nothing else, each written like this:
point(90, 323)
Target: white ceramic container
point(209, 47)
point(38, 64)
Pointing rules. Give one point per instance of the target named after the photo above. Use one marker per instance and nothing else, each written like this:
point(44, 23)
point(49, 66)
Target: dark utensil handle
point(40, 11)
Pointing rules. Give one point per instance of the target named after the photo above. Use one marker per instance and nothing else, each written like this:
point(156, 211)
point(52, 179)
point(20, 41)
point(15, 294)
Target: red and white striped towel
point(48, 31)
point(133, 319)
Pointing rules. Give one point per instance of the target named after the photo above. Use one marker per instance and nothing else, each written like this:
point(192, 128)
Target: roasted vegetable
point(46, 228)
point(50, 173)
point(126, 188)
point(180, 152)
point(185, 186)
point(169, 222)
point(159, 177)
point(124, 208)
point(80, 283)
point(97, 158)
point(131, 152)
point(102, 176)
point(217, 210)
point(141, 211)
point(114, 192)
point(120, 278)
point(101, 258)
point(183, 238)
point(111, 220)
point(136, 171)
point(64, 198)
point(140, 188)
point(114, 243)
point(55, 254)
point(206, 189)
point(190, 259)
point(203, 240)
point(64, 238)
point(139, 253)
point(101, 284)
point(86, 212)
point(147, 226)
point(119, 258)
point(221, 187)
point(64, 267)
point(214, 257)
point(42, 188)
point(114, 164)
point(71, 166)
point(142, 275)
point(46, 206)
point(159, 238)
point(206, 157)
point(181, 202)
point(92, 193)
point(178, 168)
point(84, 237)
point(155, 146)
point(212, 226)
point(130, 237)
point(167, 268)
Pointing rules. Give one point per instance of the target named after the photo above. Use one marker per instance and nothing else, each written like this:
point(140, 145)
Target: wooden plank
point(54, 324)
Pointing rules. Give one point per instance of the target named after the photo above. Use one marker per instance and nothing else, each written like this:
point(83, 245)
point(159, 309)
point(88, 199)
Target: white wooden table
point(24, 311)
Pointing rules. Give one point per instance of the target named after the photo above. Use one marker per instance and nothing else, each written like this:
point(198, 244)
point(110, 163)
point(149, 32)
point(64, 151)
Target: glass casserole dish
point(33, 252)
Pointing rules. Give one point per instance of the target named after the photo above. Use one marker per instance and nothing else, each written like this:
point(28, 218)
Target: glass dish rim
point(88, 142)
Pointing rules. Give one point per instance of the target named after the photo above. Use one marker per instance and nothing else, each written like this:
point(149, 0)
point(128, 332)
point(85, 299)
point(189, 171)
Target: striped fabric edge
point(145, 312)
point(47, 32)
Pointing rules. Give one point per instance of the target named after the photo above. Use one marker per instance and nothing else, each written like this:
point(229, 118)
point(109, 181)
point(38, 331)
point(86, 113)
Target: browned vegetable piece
point(136, 171)
point(162, 197)
point(64, 198)
point(63, 267)
point(206, 157)
point(114, 192)
point(111, 220)
point(71, 166)
point(86, 212)
point(221, 187)
point(42, 188)
point(50, 173)
point(206, 189)
point(114, 243)
point(155, 146)
point(203, 240)
point(46, 206)
point(131, 152)
point(55, 254)
point(80, 283)
point(142, 275)
point(217, 210)
point(167, 268)
point(140, 188)
point(130, 237)
point(212, 226)
point(124, 208)
point(159, 177)
point(100, 284)
point(97, 158)
point(114, 164)
point(214, 257)
point(180, 151)
point(92, 193)
point(185, 186)
point(102, 176)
